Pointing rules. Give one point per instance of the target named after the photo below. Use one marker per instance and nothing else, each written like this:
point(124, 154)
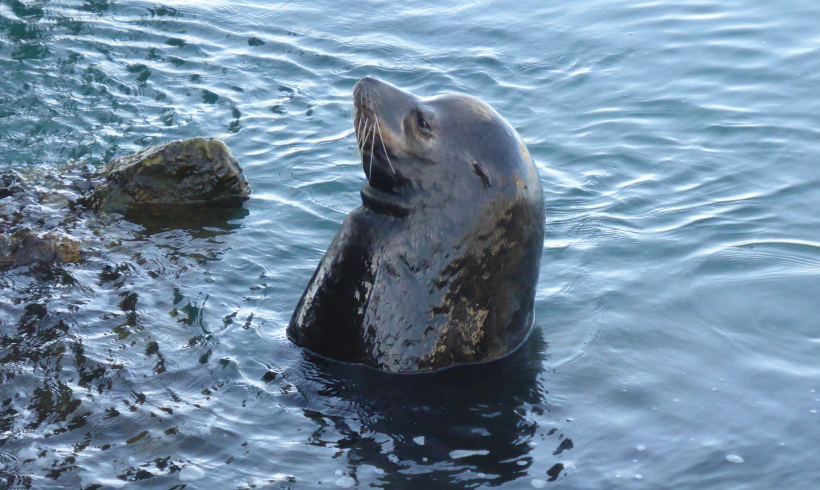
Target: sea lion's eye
point(420, 122)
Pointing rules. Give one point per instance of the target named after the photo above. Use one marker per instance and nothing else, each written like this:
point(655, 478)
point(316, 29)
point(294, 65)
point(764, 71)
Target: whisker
point(381, 140)
point(372, 144)
point(364, 139)
point(359, 134)
point(364, 134)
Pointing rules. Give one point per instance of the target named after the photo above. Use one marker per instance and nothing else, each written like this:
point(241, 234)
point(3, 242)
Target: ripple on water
point(674, 141)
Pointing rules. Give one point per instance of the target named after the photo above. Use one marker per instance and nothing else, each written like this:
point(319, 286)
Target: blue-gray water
point(677, 308)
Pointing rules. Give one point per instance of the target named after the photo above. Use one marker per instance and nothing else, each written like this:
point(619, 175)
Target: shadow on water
point(200, 219)
point(445, 428)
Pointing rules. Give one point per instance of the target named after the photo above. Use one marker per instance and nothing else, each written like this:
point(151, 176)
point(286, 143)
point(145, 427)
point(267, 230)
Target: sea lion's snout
point(378, 109)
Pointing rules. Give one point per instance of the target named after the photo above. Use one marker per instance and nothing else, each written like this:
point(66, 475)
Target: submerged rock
point(25, 247)
point(10, 184)
point(32, 228)
point(196, 170)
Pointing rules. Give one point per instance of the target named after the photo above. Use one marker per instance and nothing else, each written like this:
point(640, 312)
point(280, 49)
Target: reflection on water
point(202, 221)
point(429, 428)
point(64, 393)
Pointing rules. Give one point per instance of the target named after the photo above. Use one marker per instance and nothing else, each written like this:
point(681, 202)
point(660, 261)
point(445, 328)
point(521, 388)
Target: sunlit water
point(677, 341)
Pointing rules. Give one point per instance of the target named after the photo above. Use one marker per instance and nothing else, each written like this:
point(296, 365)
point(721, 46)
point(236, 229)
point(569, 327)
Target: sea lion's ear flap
point(482, 172)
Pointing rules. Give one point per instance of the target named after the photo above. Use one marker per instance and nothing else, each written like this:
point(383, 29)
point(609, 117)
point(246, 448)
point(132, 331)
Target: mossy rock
point(25, 247)
point(196, 170)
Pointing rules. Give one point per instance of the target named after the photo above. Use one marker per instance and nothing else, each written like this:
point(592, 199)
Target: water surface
point(677, 343)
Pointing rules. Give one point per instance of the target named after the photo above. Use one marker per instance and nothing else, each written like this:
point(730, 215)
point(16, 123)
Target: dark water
point(678, 343)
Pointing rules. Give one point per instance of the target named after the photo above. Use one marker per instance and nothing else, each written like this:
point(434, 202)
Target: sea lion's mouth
point(385, 191)
point(384, 202)
point(377, 168)
point(376, 162)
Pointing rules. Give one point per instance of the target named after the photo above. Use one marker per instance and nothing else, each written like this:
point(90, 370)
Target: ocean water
point(677, 342)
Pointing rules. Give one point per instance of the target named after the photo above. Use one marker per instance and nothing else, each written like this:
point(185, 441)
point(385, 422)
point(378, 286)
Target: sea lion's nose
point(372, 86)
point(370, 80)
point(368, 87)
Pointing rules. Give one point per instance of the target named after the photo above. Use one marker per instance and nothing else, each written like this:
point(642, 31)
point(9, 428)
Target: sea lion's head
point(411, 147)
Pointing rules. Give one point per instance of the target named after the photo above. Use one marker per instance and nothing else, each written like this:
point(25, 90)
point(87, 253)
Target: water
point(677, 342)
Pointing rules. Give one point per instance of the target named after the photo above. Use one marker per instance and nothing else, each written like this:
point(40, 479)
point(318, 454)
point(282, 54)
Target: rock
point(24, 247)
point(10, 184)
point(196, 170)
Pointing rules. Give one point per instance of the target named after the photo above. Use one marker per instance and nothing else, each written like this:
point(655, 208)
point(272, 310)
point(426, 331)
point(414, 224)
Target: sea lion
point(439, 265)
